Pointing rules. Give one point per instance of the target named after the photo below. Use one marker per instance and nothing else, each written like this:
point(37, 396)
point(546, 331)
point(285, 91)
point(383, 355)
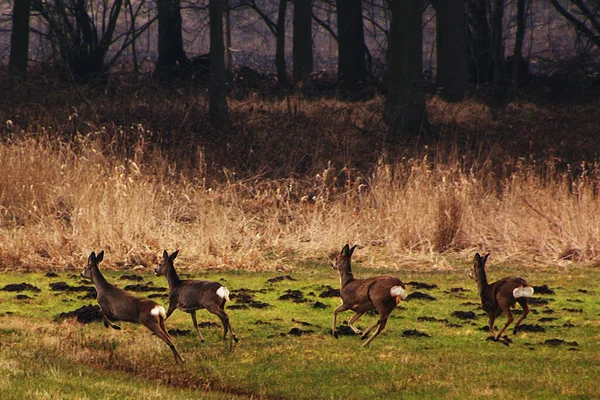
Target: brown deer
point(119, 305)
point(381, 293)
point(192, 295)
point(499, 297)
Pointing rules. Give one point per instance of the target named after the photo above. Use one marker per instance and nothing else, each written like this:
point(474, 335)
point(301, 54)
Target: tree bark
point(171, 56)
point(452, 74)
point(280, 45)
point(405, 110)
point(302, 46)
point(227, 29)
point(217, 108)
point(352, 68)
point(480, 41)
point(498, 51)
point(517, 60)
point(19, 39)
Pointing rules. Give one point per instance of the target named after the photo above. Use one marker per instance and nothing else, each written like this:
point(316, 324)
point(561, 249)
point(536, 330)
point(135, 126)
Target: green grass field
point(286, 349)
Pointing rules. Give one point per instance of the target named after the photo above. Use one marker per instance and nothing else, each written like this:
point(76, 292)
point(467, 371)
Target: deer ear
point(165, 255)
point(345, 250)
point(92, 257)
point(352, 250)
point(100, 256)
point(485, 257)
point(477, 257)
point(174, 255)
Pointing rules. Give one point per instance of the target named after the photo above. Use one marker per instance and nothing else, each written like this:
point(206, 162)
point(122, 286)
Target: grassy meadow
point(135, 168)
point(432, 347)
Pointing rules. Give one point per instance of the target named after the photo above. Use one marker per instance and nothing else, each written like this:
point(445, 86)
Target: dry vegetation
point(137, 171)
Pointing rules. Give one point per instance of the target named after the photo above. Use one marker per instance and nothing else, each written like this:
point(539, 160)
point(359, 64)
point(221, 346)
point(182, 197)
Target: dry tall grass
point(58, 201)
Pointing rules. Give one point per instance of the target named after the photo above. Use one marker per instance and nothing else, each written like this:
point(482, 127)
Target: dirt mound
point(299, 332)
point(294, 295)
point(84, 314)
point(543, 289)
point(20, 287)
point(280, 278)
point(180, 332)
point(131, 277)
point(414, 333)
point(420, 296)
point(330, 292)
point(422, 285)
point(555, 342)
point(90, 291)
point(145, 288)
point(244, 299)
point(319, 305)
point(464, 315)
point(531, 328)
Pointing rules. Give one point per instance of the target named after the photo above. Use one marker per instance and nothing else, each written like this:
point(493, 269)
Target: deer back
point(195, 294)
point(361, 293)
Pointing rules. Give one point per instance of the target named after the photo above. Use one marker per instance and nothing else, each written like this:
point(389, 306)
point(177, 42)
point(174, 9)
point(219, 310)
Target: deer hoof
point(235, 339)
point(335, 334)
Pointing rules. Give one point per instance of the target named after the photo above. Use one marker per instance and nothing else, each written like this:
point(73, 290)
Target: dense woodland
point(496, 49)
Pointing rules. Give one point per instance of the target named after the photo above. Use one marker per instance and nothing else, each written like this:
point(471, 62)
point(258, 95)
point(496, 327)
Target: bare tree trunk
point(19, 39)
point(498, 51)
point(405, 110)
point(171, 56)
point(217, 109)
point(280, 46)
point(136, 67)
point(452, 74)
point(352, 67)
point(517, 61)
point(302, 46)
point(480, 42)
point(227, 28)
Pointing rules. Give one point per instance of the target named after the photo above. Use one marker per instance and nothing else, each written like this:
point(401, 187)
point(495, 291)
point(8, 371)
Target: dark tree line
point(470, 44)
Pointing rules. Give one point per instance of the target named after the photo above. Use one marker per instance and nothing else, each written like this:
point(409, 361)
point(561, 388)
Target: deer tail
point(223, 293)
point(523, 291)
point(159, 311)
point(399, 292)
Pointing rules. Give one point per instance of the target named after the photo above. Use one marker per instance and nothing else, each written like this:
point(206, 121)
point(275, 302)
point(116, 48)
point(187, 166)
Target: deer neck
point(346, 274)
point(172, 277)
point(482, 283)
point(98, 280)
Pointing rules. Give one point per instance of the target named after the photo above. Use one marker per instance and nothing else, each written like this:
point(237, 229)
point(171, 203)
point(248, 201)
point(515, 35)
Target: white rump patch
point(158, 310)
point(398, 291)
point(223, 293)
point(523, 291)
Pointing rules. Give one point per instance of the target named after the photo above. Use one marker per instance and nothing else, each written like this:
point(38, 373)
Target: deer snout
point(471, 275)
point(156, 271)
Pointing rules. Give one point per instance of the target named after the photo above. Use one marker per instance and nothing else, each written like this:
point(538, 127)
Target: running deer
point(381, 293)
point(499, 297)
point(192, 295)
point(119, 305)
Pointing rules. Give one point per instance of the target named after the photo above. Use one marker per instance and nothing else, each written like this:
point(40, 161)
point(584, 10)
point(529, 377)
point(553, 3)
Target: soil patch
point(280, 279)
point(84, 314)
point(547, 319)
point(414, 333)
point(420, 296)
point(465, 315)
point(299, 332)
point(320, 306)
point(544, 289)
point(555, 342)
point(158, 296)
point(208, 324)
point(245, 299)
point(180, 332)
point(51, 274)
point(90, 291)
point(131, 277)
point(294, 295)
point(536, 301)
point(574, 310)
point(531, 328)
point(344, 330)
point(422, 285)
point(144, 288)
point(432, 319)
point(330, 292)
point(457, 290)
point(23, 297)
point(20, 287)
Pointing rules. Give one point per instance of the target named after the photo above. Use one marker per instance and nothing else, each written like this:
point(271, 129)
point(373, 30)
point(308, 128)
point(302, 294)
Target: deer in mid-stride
point(381, 293)
point(118, 305)
point(192, 295)
point(499, 297)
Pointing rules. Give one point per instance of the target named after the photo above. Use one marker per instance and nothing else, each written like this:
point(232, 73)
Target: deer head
point(478, 266)
point(166, 263)
point(93, 262)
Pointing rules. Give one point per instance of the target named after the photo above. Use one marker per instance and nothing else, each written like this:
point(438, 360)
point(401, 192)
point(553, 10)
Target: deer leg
point(193, 314)
point(341, 308)
point(381, 322)
point(509, 320)
point(525, 307)
point(370, 328)
point(158, 329)
point(108, 322)
point(491, 320)
point(219, 312)
point(355, 318)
